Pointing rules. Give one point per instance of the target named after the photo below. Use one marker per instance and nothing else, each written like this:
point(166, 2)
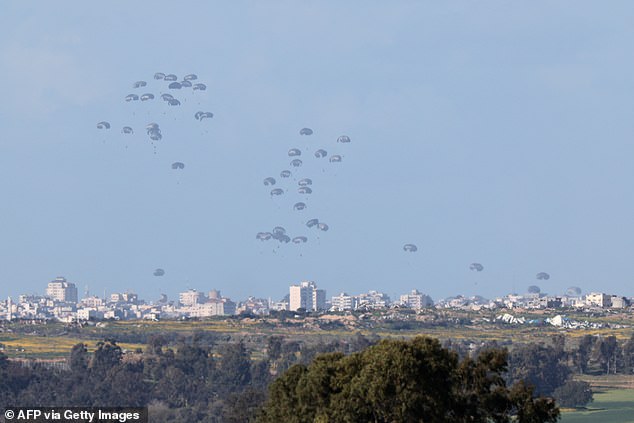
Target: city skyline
point(63, 290)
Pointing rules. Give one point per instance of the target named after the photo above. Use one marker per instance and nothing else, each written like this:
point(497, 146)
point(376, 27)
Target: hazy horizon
point(498, 133)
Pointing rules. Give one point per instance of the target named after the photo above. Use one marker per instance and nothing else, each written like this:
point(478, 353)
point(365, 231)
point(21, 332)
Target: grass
point(26, 346)
point(612, 406)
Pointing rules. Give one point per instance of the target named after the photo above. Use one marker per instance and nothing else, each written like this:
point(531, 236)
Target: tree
point(573, 394)
point(628, 356)
point(582, 354)
point(78, 359)
point(403, 381)
point(606, 351)
point(234, 368)
point(539, 366)
point(107, 356)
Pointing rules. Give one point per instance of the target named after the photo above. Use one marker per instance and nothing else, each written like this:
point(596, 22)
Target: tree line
point(197, 379)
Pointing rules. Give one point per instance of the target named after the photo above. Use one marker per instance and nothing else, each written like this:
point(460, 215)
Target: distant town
point(61, 303)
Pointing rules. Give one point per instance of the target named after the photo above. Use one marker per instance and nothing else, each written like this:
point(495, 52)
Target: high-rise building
point(9, 309)
point(62, 290)
point(307, 296)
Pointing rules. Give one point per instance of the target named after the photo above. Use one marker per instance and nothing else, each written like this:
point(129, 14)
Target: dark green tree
point(573, 394)
point(539, 366)
point(581, 355)
point(403, 381)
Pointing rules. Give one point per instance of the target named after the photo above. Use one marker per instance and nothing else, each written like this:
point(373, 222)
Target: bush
point(573, 394)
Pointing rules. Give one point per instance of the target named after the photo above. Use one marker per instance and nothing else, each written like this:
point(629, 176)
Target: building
point(598, 299)
point(617, 301)
point(62, 290)
point(92, 302)
point(343, 302)
point(307, 296)
point(214, 307)
point(416, 300)
point(9, 309)
point(191, 297)
point(374, 299)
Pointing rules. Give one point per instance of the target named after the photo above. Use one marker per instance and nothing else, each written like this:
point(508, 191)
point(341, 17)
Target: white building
point(343, 302)
point(307, 296)
point(92, 301)
point(9, 309)
point(374, 299)
point(213, 307)
point(416, 300)
point(617, 301)
point(61, 290)
point(191, 297)
point(598, 299)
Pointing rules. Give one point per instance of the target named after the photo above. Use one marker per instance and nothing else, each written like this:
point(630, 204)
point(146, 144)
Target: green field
point(612, 406)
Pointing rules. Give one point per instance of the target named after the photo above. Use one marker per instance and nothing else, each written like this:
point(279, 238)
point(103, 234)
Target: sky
point(494, 132)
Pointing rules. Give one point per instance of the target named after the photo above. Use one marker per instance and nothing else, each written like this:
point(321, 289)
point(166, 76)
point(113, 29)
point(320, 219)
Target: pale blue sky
point(497, 132)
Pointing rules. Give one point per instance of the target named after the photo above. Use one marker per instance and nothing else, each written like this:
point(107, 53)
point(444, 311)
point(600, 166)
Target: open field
point(605, 383)
point(51, 339)
point(612, 406)
point(29, 346)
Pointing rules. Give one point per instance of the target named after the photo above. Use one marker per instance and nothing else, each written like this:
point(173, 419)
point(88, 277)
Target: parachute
point(312, 222)
point(321, 153)
point(127, 130)
point(296, 163)
point(343, 139)
point(147, 96)
point(299, 240)
point(304, 190)
point(154, 131)
point(174, 85)
point(476, 266)
point(178, 165)
point(159, 75)
point(139, 84)
point(279, 230)
point(305, 131)
point(573, 291)
point(103, 125)
point(186, 84)
point(159, 272)
point(174, 102)
point(305, 182)
point(263, 236)
point(299, 206)
point(202, 115)
point(322, 226)
point(277, 191)
point(167, 97)
point(285, 174)
point(542, 276)
point(534, 289)
point(156, 135)
point(199, 87)
point(269, 181)
point(335, 158)
point(190, 77)
point(171, 77)
point(294, 152)
point(410, 248)
point(131, 97)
